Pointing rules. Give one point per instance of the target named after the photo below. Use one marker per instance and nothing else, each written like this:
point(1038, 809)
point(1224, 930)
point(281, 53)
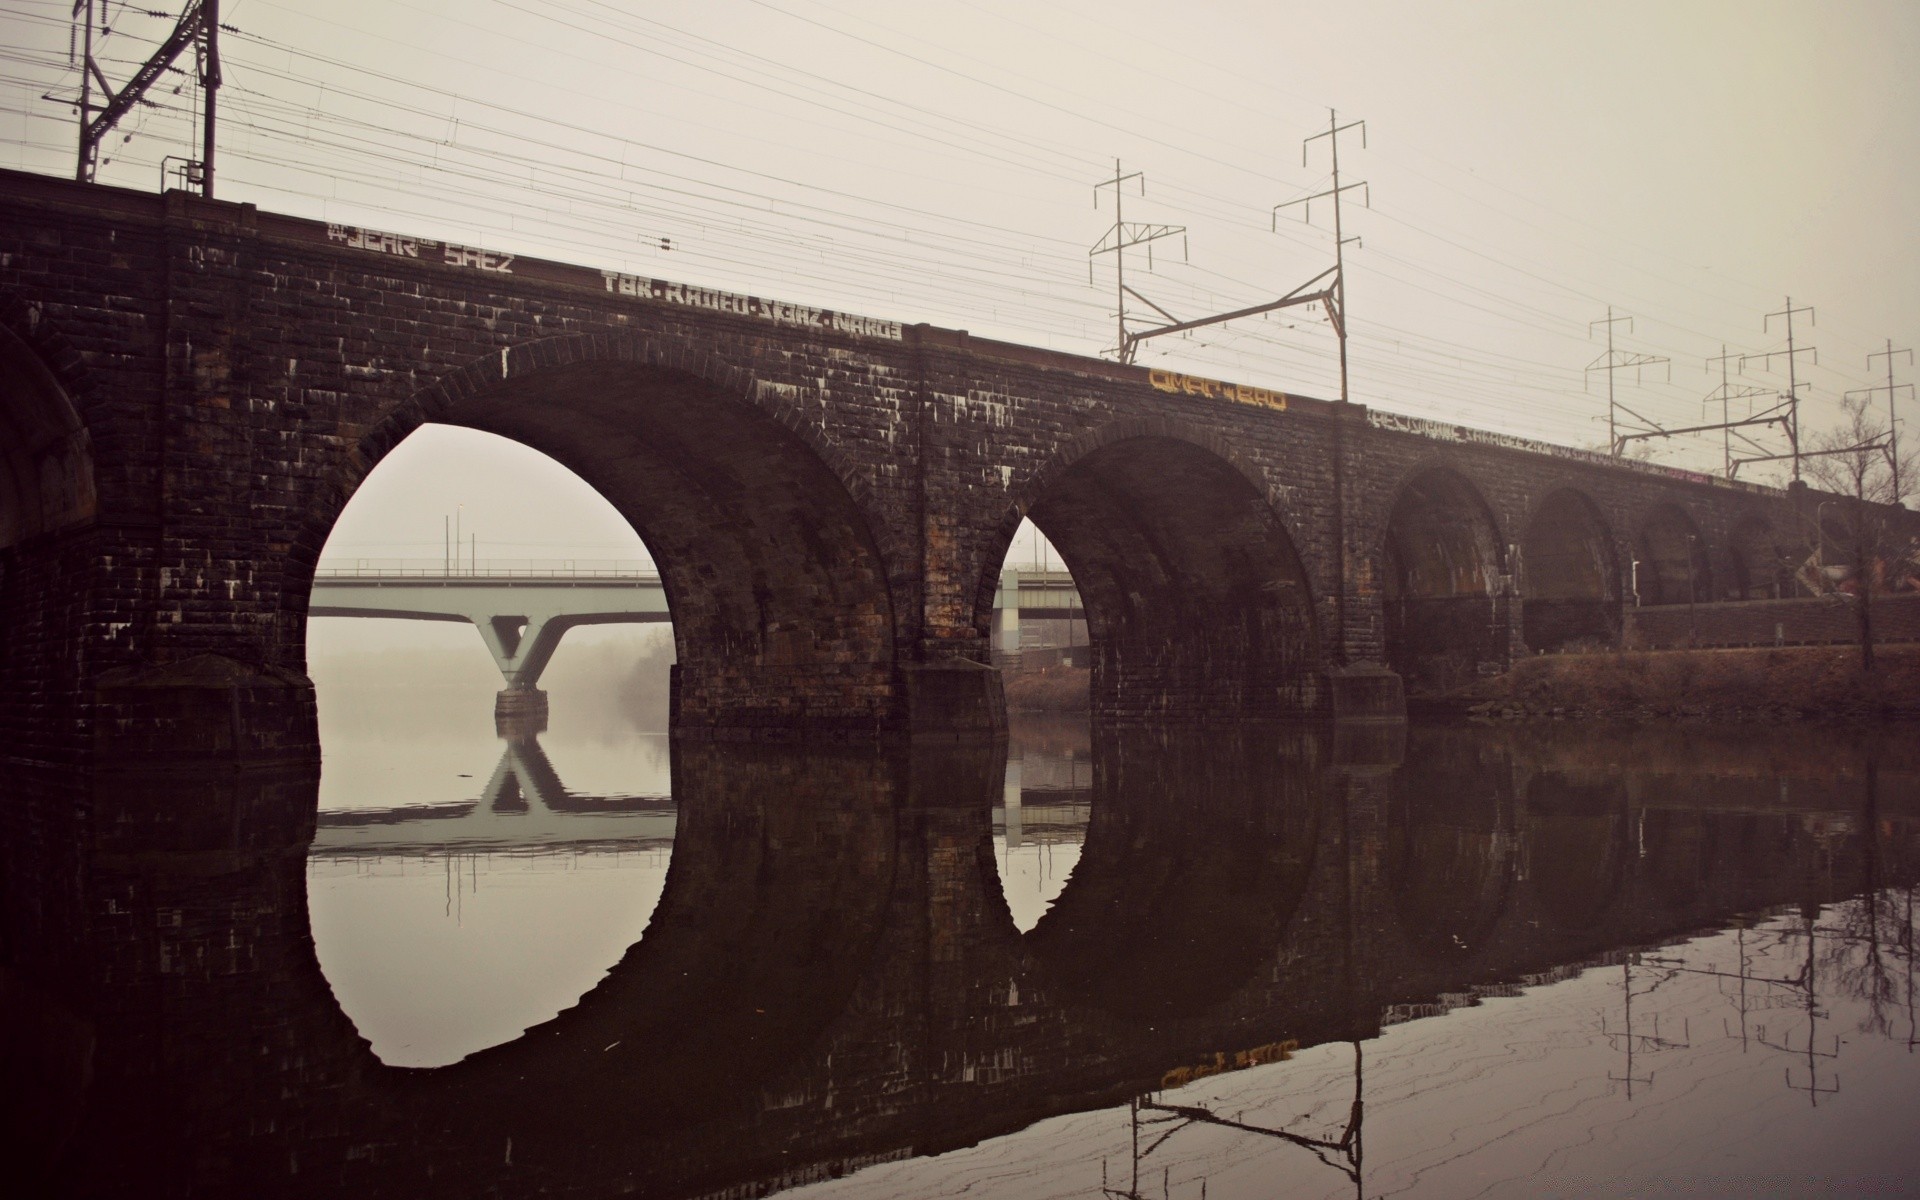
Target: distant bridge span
point(191, 391)
point(522, 614)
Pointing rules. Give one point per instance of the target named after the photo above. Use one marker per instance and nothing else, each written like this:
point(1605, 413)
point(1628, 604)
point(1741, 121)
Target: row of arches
point(788, 595)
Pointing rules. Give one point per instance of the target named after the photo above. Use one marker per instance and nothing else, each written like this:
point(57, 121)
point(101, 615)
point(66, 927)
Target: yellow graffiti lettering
point(1193, 385)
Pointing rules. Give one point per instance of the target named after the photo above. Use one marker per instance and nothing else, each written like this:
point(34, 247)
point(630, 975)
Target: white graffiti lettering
point(485, 260)
point(1441, 431)
point(373, 239)
point(747, 306)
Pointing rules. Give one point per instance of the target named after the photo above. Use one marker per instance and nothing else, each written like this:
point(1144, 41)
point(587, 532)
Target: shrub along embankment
point(1773, 684)
point(1060, 689)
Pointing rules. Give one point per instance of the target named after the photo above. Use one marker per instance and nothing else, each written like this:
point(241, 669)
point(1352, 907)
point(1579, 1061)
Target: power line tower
point(199, 27)
point(1792, 396)
point(1124, 234)
point(1893, 425)
point(1617, 360)
point(1336, 294)
point(1724, 396)
point(1116, 241)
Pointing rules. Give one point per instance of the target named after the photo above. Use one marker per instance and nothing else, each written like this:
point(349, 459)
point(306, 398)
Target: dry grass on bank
point(1060, 689)
point(1765, 684)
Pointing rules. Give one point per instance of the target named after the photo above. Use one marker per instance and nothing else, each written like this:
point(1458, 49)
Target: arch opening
point(781, 613)
point(1761, 566)
point(1443, 584)
point(1196, 602)
point(46, 459)
point(1673, 565)
point(1572, 589)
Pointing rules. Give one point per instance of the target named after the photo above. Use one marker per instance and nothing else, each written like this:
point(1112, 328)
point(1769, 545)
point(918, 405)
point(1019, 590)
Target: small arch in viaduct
point(1762, 566)
point(781, 610)
point(1444, 561)
point(1570, 580)
point(46, 456)
point(1674, 567)
point(1196, 600)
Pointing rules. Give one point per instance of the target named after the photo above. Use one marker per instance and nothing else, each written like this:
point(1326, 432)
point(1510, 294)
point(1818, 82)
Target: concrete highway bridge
point(521, 615)
point(191, 391)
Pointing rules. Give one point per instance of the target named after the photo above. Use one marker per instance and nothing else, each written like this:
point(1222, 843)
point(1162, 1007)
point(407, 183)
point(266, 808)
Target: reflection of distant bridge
point(523, 807)
point(523, 609)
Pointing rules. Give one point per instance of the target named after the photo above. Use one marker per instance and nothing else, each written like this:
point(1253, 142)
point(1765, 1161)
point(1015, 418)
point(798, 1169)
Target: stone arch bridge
point(190, 391)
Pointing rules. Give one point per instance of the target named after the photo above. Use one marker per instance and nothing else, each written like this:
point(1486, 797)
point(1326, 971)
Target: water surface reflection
point(1563, 960)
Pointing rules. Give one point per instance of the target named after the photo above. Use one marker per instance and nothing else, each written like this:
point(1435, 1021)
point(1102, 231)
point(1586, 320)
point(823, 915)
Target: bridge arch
point(776, 581)
point(1569, 577)
point(1443, 567)
point(1674, 566)
point(1762, 568)
point(1197, 602)
point(46, 453)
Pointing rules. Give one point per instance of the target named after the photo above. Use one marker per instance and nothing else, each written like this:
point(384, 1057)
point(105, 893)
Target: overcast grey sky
point(1690, 164)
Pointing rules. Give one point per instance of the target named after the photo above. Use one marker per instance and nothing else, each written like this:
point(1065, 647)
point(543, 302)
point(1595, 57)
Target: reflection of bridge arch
point(782, 868)
point(1453, 851)
point(1198, 850)
point(779, 592)
point(1575, 839)
point(1194, 594)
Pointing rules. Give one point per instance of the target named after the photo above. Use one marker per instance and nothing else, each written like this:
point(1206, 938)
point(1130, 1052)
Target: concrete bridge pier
point(519, 710)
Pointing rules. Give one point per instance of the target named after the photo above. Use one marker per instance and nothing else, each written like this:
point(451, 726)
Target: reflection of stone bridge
point(193, 390)
point(832, 975)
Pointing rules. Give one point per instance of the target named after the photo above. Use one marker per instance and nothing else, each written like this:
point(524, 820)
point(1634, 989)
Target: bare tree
point(1862, 540)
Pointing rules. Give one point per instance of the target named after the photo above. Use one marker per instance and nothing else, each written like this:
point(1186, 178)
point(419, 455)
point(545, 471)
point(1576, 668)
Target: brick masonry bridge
point(193, 390)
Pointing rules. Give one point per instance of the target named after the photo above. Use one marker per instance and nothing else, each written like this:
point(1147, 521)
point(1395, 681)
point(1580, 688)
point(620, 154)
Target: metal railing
point(486, 568)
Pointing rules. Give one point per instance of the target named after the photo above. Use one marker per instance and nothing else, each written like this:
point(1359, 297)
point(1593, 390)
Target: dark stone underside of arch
point(781, 616)
point(1444, 620)
point(1196, 603)
point(1571, 595)
point(1673, 560)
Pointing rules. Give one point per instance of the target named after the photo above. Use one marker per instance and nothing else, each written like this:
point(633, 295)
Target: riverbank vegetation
point(1785, 683)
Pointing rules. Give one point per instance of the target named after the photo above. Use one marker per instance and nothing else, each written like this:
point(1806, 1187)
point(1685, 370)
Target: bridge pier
point(520, 710)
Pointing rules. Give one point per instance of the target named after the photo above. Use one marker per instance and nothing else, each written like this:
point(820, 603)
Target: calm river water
point(1428, 961)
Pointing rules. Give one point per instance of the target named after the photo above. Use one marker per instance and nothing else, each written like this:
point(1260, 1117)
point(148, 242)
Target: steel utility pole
point(1115, 242)
point(1793, 377)
point(1726, 394)
point(1614, 360)
point(1893, 425)
point(1337, 293)
point(199, 26)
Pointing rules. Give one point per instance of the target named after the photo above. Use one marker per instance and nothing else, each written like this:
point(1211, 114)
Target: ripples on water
point(1438, 961)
